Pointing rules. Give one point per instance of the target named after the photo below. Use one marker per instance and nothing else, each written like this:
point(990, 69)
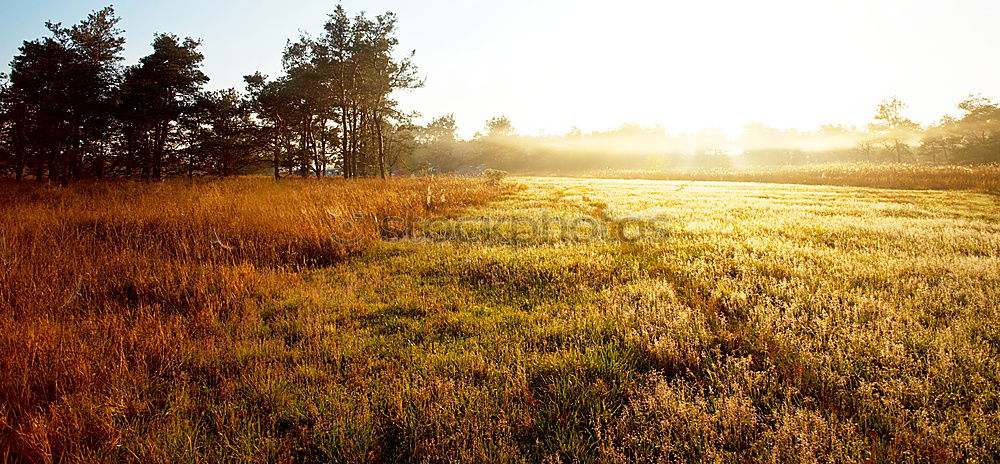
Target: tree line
point(971, 137)
point(71, 109)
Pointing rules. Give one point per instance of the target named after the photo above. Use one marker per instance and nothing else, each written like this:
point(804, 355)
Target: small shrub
point(495, 175)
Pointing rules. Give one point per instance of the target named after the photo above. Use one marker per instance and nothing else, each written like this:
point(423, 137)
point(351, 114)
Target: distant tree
point(99, 43)
point(401, 144)
point(940, 141)
point(63, 88)
point(40, 82)
point(867, 149)
point(382, 75)
point(893, 130)
point(70, 109)
point(499, 147)
point(309, 106)
point(156, 94)
point(335, 55)
point(499, 127)
point(271, 104)
point(979, 129)
point(334, 104)
point(973, 138)
point(12, 121)
point(221, 138)
point(440, 129)
point(438, 145)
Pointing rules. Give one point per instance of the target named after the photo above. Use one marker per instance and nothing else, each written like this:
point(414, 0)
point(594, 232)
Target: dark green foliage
point(332, 105)
point(70, 110)
point(156, 94)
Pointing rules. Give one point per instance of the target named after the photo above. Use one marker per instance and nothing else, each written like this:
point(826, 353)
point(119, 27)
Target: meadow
point(119, 301)
point(981, 178)
point(530, 320)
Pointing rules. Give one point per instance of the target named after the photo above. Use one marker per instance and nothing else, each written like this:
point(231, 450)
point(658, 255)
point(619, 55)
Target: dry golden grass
point(762, 323)
point(985, 178)
point(108, 290)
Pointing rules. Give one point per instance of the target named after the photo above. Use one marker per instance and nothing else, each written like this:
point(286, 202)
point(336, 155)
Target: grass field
point(565, 320)
point(981, 178)
point(122, 302)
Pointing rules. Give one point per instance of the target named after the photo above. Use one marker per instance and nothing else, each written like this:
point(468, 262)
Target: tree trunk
point(344, 156)
point(159, 149)
point(276, 156)
point(323, 154)
point(303, 161)
point(354, 143)
point(381, 146)
point(53, 165)
point(276, 162)
point(99, 162)
point(39, 167)
point(19, 163)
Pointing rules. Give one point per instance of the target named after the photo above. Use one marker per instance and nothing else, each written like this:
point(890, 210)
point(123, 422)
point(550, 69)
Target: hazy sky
point(551, 64)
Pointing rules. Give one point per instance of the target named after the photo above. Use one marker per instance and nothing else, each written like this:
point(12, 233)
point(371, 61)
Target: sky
point(550, 65)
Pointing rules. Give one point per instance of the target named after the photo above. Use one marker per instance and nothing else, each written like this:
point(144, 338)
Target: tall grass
point(766, 323)
point(108, 290)
point(985, 178)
